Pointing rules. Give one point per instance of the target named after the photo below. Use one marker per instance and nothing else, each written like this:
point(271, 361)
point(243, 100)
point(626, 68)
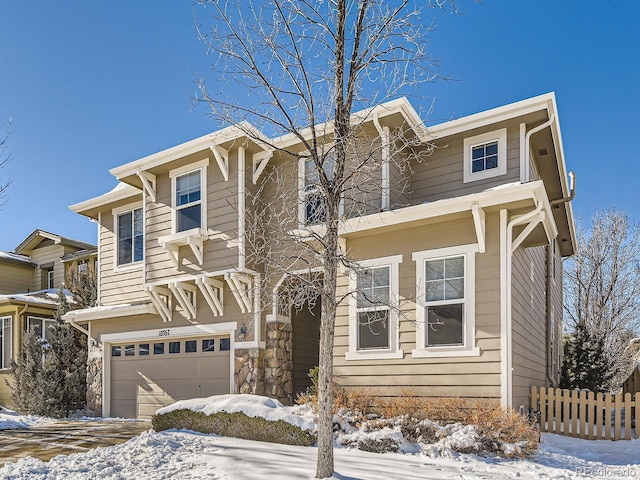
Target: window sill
point(194, 238)
point(444, 352)
point(374, 355)
point(125, 267)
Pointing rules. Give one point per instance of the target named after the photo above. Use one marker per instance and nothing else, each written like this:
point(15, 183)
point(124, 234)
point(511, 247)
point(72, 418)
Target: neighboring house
point(30, 278)
point(467, 245)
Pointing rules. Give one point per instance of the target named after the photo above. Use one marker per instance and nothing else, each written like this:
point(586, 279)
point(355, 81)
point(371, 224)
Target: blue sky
point(93, 85)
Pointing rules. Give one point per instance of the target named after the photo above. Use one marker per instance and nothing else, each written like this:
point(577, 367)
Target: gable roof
point(37, 236)
point(8, 257)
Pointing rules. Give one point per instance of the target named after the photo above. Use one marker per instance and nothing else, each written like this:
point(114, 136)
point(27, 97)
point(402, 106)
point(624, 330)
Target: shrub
point(236, 425)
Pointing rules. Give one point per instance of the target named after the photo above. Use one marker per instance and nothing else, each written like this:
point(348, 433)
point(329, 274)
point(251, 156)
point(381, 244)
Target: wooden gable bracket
point(531, 219)
point(181, 291)
point(212, 291)
point(148, 183)
point(193, 238)
point(260, 161)
point(161, 299)
point(240, 284)
point(480, 223)
point(222, 157)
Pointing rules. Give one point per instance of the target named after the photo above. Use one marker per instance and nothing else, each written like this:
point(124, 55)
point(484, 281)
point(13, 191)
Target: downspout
point(241, 209)
point(384, 138)
point(542, 126)
point(78, 327)
point(548, 347)
point(572, 192)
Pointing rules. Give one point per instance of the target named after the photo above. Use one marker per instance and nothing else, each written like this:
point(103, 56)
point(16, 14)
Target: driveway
point(64, 438)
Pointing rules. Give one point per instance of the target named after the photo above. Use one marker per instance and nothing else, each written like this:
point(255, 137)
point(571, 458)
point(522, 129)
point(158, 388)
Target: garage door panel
point(142, 384)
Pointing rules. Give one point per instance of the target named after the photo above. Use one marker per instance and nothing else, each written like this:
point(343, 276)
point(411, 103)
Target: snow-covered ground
point(10, 420)
point(189, 455)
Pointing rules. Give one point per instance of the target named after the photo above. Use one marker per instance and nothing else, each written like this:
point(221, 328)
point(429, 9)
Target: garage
point(147, 375)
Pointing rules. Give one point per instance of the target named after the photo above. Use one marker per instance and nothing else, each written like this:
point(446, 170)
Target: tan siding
point(117, 285)
point(464, 376)
point(15, 278)
point(441, 174)
point(529, 319)
point(44, 256)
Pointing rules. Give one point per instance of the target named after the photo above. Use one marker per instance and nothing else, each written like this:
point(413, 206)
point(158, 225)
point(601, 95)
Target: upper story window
point(41, 327)
point(312, 204)
point(373, 316)
point(485, 155)
point(83, 267)
point(50, 279)
point(189, 196)
point(130, 236)
point(445, 307)
point(5, 342)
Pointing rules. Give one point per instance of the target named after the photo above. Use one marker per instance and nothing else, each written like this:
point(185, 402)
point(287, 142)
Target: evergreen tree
point(585, 364)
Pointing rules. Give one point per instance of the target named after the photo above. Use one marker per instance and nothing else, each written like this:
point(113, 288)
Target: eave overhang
point(109, 312)
point(122, 192)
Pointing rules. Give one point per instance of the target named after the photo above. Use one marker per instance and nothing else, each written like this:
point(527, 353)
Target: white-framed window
point(41, 327)
point(50, 278)
point(485, 155)
point(188, 196)
point(373, 309)
point(130, 228)
point(445, 304)
point(312, 210)
point(6, 340)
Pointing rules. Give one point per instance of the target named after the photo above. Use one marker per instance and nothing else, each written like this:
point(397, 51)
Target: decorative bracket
point(148, 183)
point(212, 291)
point(194, 238)
point(161, 299)
point(186, 296)
point(240, 284)
point(480, 223)
point(222, 157)
point(260, 161)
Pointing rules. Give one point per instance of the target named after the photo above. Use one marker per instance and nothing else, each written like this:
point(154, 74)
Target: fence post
point(598, 419)
point(618, 415)
point(534, 402)
point(558, 410)
point(590, 420)
point(550, 415)
point(543, 409)
point(637, 395)
point(583, 414)
point(566, 420)
point(627, 416)
point(607, 416)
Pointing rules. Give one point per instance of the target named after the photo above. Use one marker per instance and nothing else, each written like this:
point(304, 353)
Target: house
point(465, 247)
point(30, 278)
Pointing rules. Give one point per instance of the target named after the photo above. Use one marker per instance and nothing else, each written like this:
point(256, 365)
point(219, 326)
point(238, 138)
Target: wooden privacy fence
point(587, 415)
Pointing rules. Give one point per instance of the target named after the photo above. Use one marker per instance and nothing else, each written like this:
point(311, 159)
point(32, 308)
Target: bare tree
point(4, 159)
point(302, 69)
point(602, 287)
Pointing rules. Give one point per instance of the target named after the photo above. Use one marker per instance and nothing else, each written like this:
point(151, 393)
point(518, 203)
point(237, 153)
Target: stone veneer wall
point(94, 382)
point(278, 362)
point(249, 371)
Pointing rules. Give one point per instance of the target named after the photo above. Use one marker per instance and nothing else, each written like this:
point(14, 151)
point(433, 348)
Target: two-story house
point(30, 279)
point(465, 248)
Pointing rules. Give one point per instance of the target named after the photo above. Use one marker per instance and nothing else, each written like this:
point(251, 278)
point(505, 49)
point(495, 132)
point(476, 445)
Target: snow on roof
point(15, 257)
point(46, 297)
point(250, 405)
point(106, 308)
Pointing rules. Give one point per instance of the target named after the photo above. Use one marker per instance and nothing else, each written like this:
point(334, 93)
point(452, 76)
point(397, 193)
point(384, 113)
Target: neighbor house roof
point(41, 297)
point(15, 258)
point(37, 236)
point(79, 255)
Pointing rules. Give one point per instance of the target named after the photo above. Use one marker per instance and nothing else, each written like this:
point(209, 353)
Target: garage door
point(151, 374)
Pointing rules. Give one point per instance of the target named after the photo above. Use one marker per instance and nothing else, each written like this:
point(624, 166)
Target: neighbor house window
point(42, 327)
point(485, 155)
point(189, 196)
point(5, 342)
point(50, 284)
point(313, 209)
point(373, 316)
point(445, 307)
point(83, 267)
point(130, 236)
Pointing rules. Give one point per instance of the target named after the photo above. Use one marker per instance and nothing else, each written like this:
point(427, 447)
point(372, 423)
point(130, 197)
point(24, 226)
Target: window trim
point(469, 349)
point(394, 351)
point(499, 136)
point(116, 212)
point(50, 278)
point(200, 166)
point(44, 320)
point(2, 339)
point(302, 194)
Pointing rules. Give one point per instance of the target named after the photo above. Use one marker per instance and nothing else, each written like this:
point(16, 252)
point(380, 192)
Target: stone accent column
point(249, 371)
point(278, 359)
point(94, 381)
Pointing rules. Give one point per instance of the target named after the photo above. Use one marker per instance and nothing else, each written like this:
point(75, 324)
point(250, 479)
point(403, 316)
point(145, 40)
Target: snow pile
point(10, 420)
point(251, 406)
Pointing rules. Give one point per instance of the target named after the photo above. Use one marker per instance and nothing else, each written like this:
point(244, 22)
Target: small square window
point(190, 346)
point(143, 349)
point(209, 345)
point(158, 348)
point(485, 155)
point(129, 350)
point(116, 351)
point(174, 347)
point(225, 344)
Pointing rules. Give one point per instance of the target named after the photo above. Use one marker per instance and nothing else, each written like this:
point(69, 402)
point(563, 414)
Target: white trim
point(149, 183)
point(394, 351)
point(505, 282)
point(115, 213)
point(241, 208)
point(121, 192)
point(302, 197)
point(222, 158)
point(170, 332)
point(186, 169)
point(469, 349)
point(523, 160)
point(109, 312)
point(499, 136)
point(2, 320)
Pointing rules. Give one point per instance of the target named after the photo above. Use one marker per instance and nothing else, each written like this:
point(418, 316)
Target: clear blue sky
point(93, 85)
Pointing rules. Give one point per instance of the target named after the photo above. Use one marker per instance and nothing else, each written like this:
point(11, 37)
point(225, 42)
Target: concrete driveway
point(64, 438)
